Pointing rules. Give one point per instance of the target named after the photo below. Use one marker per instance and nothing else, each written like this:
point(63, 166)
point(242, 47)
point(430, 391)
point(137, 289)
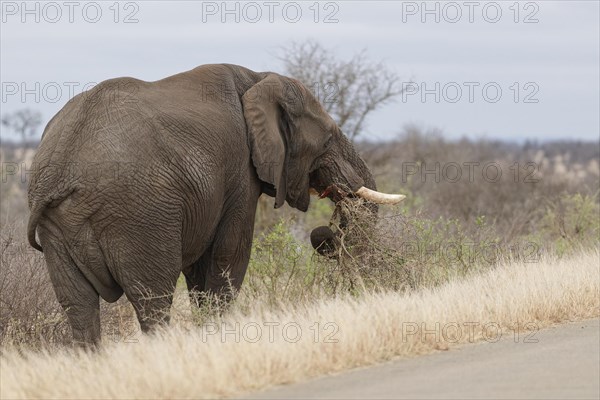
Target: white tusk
point(378, 197)
point(312, 192)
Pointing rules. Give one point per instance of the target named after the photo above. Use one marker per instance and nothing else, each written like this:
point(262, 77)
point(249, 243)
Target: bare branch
point(349, 90)
point(24, 123)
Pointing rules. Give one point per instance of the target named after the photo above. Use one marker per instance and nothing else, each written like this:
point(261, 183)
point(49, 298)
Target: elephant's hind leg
point(152, 308)
point(149, 273)
point(74, 292)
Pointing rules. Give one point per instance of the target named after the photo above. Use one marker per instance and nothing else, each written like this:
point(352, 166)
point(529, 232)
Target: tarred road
point(563, 364)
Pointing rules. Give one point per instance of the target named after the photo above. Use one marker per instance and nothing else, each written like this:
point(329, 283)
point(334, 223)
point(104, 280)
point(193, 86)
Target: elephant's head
point(298, 148)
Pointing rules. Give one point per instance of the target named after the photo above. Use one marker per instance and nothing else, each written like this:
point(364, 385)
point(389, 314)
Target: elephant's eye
point(329, 142)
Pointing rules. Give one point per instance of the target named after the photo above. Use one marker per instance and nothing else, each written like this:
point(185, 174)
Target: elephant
point(135, 182)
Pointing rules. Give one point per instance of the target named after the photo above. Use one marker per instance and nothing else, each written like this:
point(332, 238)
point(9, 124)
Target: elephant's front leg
point(218, 275)
point(195, 278)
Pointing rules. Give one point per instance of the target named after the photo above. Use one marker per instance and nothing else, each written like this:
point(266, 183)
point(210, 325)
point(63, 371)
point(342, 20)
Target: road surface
point(563, 364)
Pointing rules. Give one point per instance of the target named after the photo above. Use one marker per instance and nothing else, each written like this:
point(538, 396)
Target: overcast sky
point(490, 69)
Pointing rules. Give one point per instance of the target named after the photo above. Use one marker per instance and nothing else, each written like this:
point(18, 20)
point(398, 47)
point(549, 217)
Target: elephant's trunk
point(323, 239)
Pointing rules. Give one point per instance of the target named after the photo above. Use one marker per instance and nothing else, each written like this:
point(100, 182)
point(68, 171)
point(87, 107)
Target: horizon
point(542, 62)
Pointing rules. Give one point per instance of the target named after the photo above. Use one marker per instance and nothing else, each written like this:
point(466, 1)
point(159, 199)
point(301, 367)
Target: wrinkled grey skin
point(177, 167)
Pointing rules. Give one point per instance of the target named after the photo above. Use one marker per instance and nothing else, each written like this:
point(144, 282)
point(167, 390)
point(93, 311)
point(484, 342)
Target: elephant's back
point(95, 125)
point(100, 148)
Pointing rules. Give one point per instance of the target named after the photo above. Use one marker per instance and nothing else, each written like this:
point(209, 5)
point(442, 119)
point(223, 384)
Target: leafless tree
point(24, 123)
point(348, 89)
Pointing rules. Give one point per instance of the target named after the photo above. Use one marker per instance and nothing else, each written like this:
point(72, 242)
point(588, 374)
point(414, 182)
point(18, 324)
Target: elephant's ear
point(263, 110)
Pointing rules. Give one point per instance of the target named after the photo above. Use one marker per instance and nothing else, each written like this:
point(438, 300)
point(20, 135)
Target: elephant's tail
point(34, 219)
point(37, 208)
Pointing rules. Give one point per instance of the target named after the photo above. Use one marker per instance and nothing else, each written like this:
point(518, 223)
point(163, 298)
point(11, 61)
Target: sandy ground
point(564, 363)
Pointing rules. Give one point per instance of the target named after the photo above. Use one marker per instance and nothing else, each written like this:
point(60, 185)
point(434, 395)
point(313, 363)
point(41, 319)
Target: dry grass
point(192, 363)
point(408, 266)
